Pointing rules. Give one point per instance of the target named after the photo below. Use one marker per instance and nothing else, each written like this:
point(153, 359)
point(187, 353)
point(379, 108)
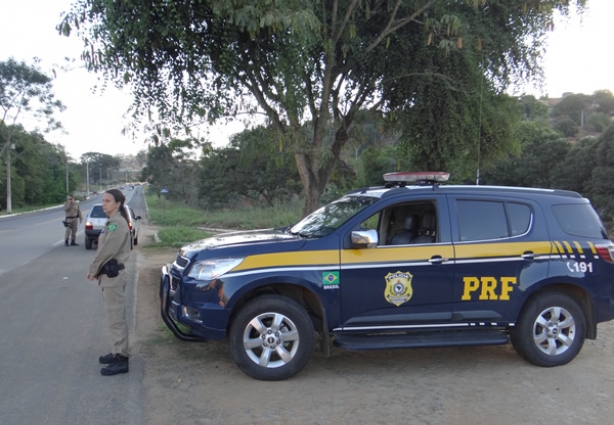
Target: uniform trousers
point(115, 308)
point(71, 231)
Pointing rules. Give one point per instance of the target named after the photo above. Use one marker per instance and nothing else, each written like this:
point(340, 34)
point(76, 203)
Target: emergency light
point(417, 177)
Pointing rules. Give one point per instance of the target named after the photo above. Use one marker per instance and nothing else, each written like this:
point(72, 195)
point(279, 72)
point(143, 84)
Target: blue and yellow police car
point(399, 266)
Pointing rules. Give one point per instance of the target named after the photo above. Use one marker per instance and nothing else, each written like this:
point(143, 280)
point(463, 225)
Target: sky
point(578, 60)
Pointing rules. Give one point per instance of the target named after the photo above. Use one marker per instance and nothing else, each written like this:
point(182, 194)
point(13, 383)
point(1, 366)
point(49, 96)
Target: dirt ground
point(198, 383)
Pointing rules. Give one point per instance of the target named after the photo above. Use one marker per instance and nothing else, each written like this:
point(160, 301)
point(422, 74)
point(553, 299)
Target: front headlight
point(212, 269)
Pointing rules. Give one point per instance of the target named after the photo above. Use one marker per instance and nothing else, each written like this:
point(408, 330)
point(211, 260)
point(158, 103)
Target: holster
point(111, 268)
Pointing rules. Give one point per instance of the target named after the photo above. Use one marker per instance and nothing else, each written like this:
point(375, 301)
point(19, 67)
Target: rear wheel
point(88, 243)
point(550, 331)
point(272, 338)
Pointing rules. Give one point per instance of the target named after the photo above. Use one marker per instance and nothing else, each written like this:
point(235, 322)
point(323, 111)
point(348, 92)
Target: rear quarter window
point(579, 220)
point(97, 212)
point(519, 217)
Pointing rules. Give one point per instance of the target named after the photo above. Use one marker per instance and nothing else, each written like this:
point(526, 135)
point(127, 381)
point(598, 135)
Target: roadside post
point(164, 192)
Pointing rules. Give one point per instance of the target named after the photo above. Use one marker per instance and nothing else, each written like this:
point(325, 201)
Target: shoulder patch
point(112, 227)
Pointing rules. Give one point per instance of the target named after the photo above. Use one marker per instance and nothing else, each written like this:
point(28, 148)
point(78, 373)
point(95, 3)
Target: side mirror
point(365, 238)
point(138, 217)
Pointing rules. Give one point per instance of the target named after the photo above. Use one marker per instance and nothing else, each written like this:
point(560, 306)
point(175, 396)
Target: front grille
point(174, 283)
point(176, 274)
point(181, 261)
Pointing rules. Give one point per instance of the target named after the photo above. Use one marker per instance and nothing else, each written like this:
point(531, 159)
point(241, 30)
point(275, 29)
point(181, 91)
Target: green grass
point(173, 213)
point(183, 224)
point(248, 218)
point(178, 236)
point(29, 208)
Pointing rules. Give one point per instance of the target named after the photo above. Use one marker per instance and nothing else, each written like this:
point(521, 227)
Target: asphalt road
point(52, 328)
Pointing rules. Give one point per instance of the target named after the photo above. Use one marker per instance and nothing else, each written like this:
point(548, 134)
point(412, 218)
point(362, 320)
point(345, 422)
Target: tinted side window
point(579, 220)
point(480, 220)
point(519, 216)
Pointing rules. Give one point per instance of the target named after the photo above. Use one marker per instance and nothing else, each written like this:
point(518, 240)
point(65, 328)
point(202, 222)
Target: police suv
point(426, 265)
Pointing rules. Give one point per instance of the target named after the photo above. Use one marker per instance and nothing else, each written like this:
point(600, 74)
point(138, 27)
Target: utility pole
point(87, 177)
point(67, 188)
point(9, 207)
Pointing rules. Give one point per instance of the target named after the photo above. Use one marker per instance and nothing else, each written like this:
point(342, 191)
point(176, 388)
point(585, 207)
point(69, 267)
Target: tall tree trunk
point(315, 174)
point(311, 183)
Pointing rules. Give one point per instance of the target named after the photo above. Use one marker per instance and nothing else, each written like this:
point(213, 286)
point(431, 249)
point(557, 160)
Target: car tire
point(88, 243)
point(136, 240)
point(272, 338)
point(550, 331)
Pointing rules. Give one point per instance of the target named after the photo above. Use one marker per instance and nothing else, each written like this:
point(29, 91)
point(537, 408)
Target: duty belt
point(72, 217)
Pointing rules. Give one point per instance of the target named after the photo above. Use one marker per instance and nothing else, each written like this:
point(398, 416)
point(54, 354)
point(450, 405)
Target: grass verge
point(173, 213)
point(178, 236)
point(183, 224)
point(29, 208)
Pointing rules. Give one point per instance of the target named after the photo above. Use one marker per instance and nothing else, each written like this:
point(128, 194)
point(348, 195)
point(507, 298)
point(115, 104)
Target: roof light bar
point(417, 176)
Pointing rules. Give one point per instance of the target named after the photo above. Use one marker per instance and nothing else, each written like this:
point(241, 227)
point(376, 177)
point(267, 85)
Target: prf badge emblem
point(398, 288)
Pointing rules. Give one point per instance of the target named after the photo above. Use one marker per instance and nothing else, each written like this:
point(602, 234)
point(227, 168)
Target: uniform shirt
point(113, 242)
point(73, 210)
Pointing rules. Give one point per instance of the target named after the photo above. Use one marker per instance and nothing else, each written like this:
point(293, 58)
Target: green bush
point(248, 218)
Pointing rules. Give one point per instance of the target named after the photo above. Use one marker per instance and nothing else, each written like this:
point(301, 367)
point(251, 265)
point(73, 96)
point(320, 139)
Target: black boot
point(118, 365)
point(66, 242)
point(107, 358)
point(73, 243)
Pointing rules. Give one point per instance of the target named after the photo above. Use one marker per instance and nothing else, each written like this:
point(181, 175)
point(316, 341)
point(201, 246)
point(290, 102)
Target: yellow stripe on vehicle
point(578, 247)
point(569, 249)
point(593, 249)
point(504, 249)
point(406, 253)
point(284, 259)
point(559, 247)
point(389, 254)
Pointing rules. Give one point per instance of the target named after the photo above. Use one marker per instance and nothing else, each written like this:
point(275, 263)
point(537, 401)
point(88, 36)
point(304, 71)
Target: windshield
point(328, 218)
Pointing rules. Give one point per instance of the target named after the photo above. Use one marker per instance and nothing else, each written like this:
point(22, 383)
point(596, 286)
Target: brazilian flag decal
point(330, 279)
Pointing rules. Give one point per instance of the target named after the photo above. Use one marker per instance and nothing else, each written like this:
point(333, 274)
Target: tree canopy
point(311, 66)
point(25, 92)
point(40, 171)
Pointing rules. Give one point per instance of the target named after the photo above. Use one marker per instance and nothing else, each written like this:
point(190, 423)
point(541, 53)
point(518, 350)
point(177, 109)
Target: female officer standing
point(108, 267)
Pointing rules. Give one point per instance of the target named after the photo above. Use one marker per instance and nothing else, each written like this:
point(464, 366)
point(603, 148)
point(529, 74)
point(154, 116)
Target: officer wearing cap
point(72, 221)
point(108, 268)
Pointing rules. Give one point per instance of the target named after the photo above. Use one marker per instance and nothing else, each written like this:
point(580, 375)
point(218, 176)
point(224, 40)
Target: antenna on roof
point(477, 180)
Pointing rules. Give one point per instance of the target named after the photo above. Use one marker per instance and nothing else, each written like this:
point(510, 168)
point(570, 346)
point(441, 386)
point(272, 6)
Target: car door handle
point(529, 255)
point(437, 259)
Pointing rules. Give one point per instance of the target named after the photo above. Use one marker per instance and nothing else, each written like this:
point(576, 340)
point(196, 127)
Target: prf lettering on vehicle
point(489, 288)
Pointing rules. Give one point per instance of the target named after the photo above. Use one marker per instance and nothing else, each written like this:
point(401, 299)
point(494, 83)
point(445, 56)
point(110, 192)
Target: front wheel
point(550, 331)
point(272, 338)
